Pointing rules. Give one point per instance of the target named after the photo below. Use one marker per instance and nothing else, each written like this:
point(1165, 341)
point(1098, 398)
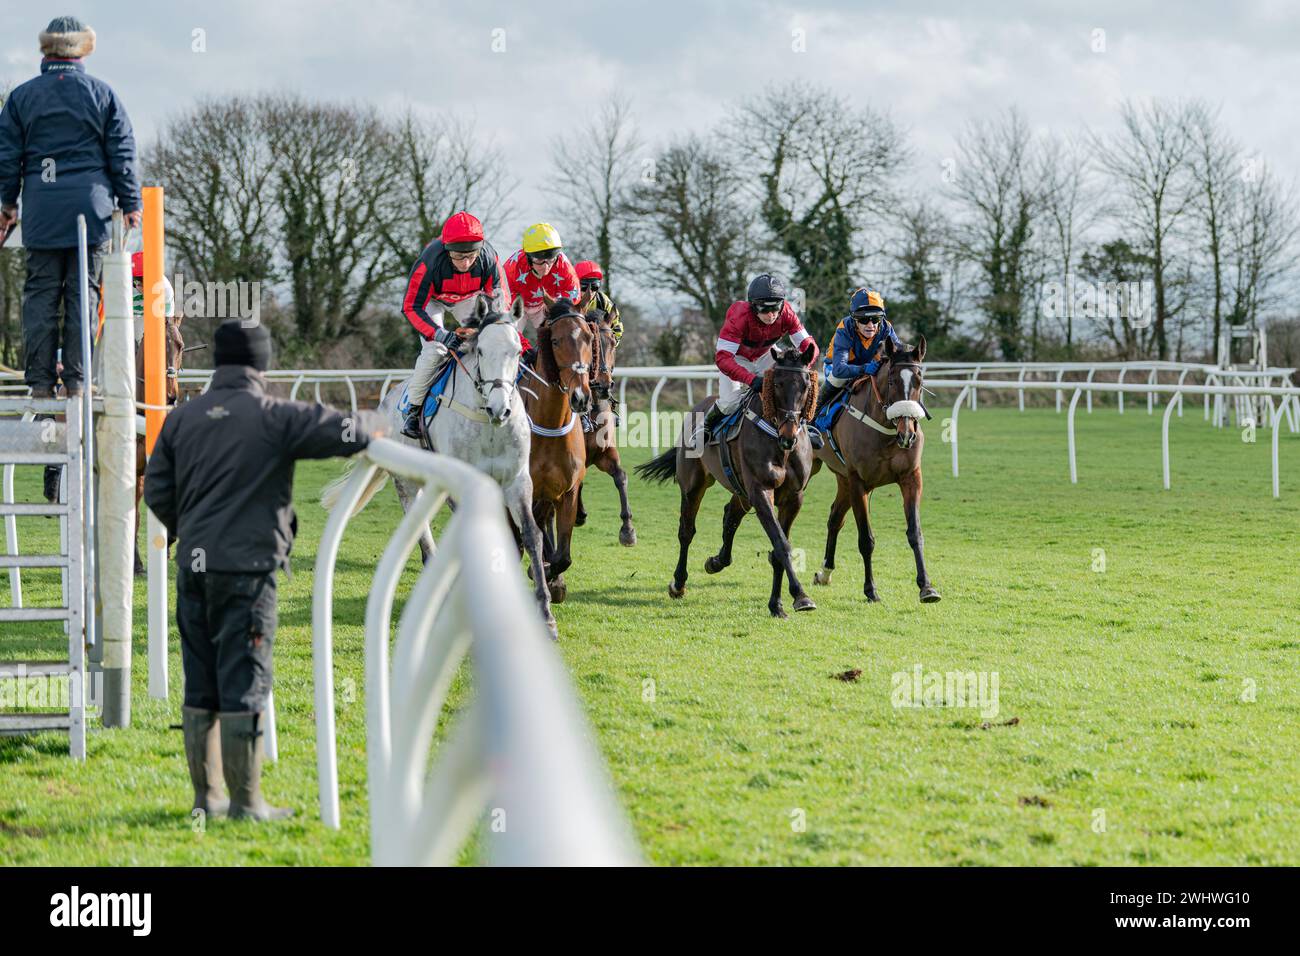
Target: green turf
point(1156, 702)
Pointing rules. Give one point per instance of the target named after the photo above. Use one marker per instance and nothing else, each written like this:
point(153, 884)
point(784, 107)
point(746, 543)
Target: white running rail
point(522, 750)
point(1287, 408)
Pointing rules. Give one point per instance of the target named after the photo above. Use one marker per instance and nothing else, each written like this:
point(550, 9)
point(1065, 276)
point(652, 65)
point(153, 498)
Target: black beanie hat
point(233, 344)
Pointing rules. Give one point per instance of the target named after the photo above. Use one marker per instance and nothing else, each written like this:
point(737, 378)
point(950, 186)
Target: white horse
point(482, 422)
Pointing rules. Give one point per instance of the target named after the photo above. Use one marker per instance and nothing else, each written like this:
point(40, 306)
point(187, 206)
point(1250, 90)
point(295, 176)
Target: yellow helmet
point(540, 236)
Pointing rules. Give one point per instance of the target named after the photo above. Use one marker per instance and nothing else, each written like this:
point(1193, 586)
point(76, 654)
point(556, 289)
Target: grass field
point(1148, 713)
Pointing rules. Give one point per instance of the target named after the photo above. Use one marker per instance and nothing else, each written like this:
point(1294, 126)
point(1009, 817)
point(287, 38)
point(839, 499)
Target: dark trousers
point(53, 282)
point(227, 624)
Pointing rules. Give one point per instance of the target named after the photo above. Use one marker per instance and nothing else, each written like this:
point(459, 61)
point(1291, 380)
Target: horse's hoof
point(627, 537)
point(823, 577)
point(712, 565)
point(777, 611)
point(676, 592)
point(579, 520)
point(929, 595)
point(804, 603)
point(552, 629)
point(872, 596)
point(559, 591)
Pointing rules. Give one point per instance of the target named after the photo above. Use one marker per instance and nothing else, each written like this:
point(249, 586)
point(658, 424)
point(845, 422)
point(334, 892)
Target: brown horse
point(772, 464)
point(175, 345)
point(881, 444)
point(557, 457)
point(601, 448)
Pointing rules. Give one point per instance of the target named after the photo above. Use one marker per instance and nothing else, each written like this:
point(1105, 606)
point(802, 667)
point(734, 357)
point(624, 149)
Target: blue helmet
point(867, 302)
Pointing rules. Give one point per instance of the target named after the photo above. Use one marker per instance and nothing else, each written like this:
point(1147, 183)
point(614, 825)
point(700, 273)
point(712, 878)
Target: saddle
point(728, 428)
point(432, 399)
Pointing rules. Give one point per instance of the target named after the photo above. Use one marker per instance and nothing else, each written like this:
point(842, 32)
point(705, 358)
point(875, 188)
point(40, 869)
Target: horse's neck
point(553, 410)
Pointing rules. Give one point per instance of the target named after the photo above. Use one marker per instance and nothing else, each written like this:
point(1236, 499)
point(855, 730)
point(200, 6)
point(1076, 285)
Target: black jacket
point(66, 141)
point(221, 474)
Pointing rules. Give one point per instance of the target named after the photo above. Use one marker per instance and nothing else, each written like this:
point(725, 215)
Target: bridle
point(580, 368)
point(478, 379)
point(600, 388)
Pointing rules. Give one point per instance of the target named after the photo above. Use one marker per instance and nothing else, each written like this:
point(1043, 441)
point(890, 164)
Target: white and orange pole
point(154, 349)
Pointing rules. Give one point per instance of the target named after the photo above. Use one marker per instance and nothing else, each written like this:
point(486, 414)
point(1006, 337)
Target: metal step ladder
point(25, 440)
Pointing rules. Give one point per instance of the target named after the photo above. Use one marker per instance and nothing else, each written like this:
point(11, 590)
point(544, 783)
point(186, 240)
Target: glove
point(462, 332)
point(871, 368)
point(756, 381)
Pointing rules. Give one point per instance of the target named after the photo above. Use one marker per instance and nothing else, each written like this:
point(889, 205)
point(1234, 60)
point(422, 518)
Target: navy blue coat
point(67, 143)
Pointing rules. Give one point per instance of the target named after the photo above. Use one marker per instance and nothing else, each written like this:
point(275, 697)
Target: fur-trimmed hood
point(69, 44)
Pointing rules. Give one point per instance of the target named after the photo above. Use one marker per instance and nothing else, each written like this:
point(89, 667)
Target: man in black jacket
point(67, 145)
point(221, 479)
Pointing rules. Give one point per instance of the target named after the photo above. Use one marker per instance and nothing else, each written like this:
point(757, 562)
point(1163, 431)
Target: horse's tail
point(329, 497)
point(659, 468)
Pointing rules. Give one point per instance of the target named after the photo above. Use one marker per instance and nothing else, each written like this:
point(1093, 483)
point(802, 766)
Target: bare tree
point(924, 262)
point(999, 194)
point(441, 168)
point(1214, 158)
point(1147, 160)
point(217, 167)
point(1263, 226)
point(823, 169)
point(593, 169)
point(695, 233)
point(1071, 209)
point(334, 179)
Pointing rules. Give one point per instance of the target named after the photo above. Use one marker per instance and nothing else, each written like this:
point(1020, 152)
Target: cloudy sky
point(934, 65)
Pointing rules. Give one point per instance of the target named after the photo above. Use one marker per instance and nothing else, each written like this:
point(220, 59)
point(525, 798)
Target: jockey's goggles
point(545, 255)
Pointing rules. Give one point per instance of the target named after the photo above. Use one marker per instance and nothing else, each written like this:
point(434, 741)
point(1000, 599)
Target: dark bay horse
point(558, 393)
point(772, 462)
point(881, 442)
point(602, 451)
point(175, 345)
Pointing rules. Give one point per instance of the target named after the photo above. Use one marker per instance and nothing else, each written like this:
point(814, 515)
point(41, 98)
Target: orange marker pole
point(155, 351)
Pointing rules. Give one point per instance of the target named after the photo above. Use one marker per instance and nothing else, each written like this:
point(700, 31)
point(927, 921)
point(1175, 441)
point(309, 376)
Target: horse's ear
point(776, 353)
point(889, 347)
point(517, 308)
point(481, 309)
point(583, 300)
point(550, 303)
point(920, 349)
point(807, 356)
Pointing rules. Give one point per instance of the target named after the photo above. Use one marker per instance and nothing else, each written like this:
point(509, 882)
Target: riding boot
point(411, 427)
point(203, 754)
point(711, 420)
point(814, 437)
point(241, 758)
point(828, 394)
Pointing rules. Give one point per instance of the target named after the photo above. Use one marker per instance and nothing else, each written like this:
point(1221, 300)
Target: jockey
point(452, 271)
point(137, 295)
point(590, 278)
point(540, 267)
point(859, 344)
point(750, 330)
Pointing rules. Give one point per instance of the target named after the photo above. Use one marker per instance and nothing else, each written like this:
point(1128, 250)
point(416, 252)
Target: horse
point(558, 458)
point(175, 348)
point(482, 422)
point(773, 462)
point(601, 449)
point(881, 442)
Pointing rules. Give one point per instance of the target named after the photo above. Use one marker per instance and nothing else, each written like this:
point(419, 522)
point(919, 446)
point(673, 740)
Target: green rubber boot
point(241, 757)
point(203, 754)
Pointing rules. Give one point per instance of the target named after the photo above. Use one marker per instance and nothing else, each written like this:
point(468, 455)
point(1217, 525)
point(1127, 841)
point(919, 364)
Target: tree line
point(1144, 241)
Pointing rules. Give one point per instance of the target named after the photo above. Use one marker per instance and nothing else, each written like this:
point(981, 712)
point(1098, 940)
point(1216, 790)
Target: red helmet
point(588, 270)
point(137, 265)
point(461, 227)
